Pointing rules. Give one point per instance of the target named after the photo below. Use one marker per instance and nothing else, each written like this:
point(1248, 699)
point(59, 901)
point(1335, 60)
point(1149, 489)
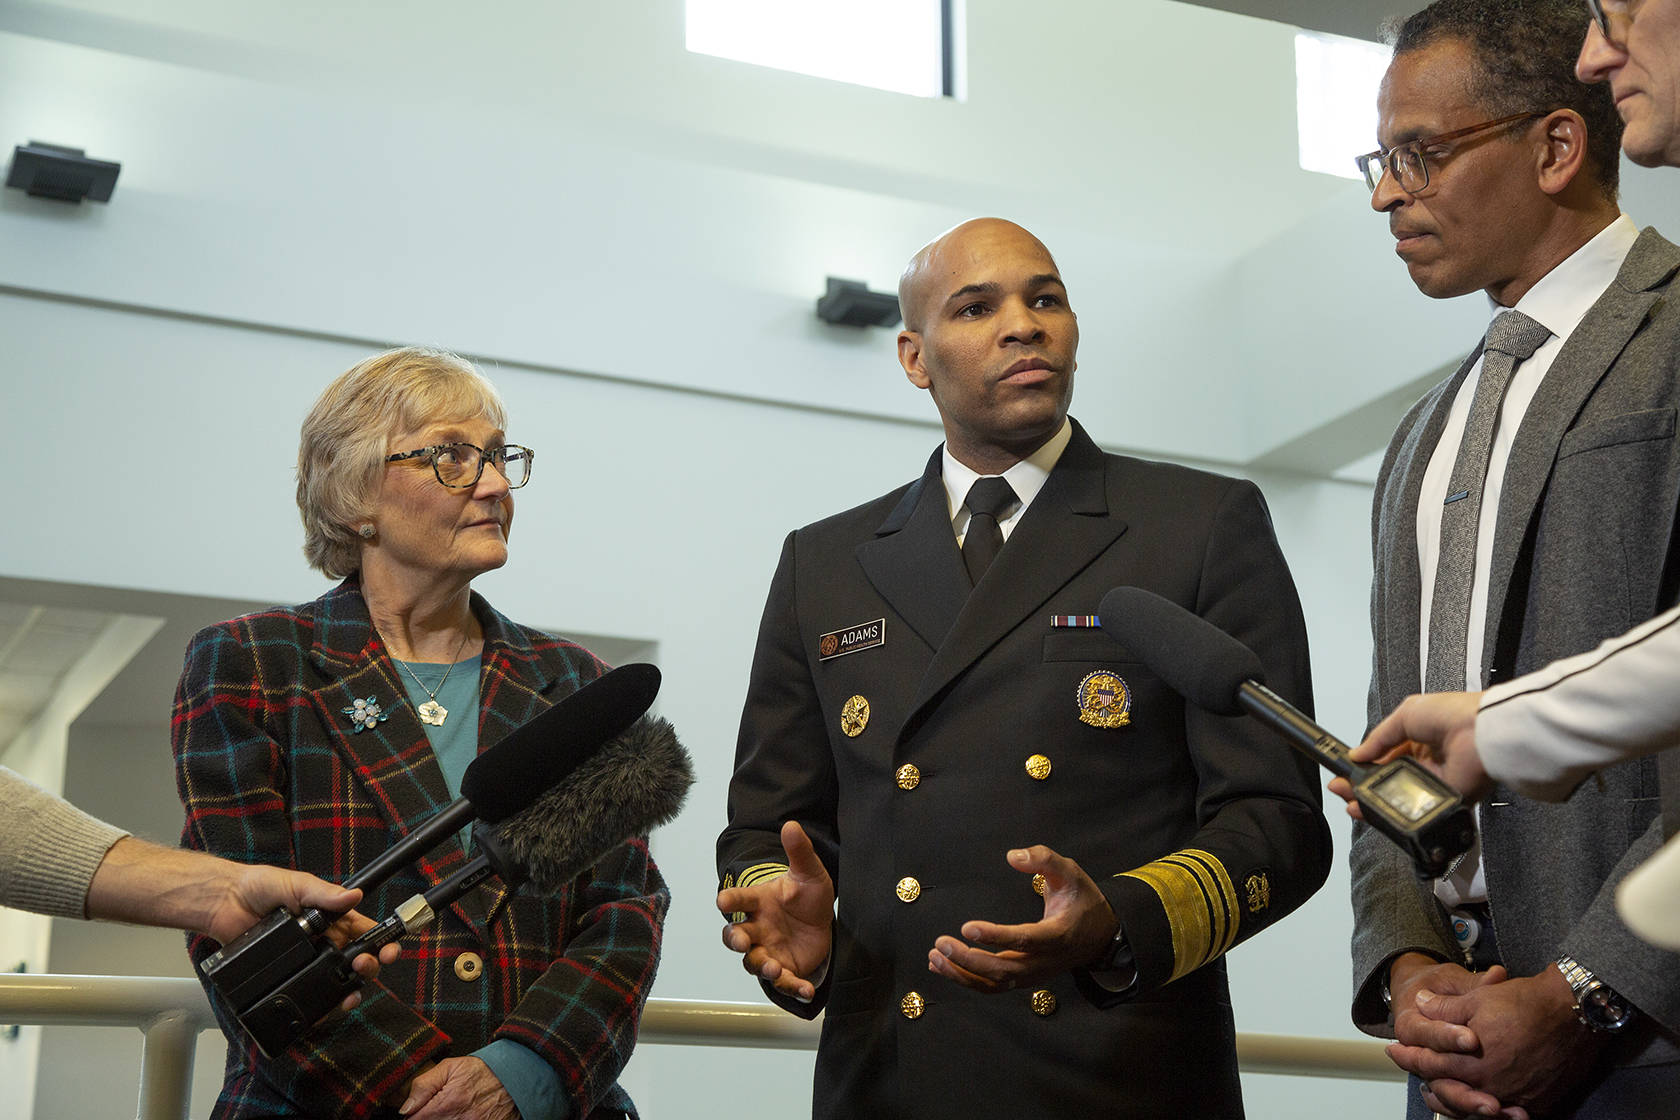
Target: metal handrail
point(701, 1022)
point(171, 1013)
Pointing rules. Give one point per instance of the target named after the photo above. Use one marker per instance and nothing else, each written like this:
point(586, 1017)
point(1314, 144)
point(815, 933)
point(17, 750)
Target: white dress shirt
point(1026, 478)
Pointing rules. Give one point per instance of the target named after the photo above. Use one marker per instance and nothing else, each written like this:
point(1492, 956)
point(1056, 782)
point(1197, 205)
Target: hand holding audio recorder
point(1212, 670)
point(560, 791)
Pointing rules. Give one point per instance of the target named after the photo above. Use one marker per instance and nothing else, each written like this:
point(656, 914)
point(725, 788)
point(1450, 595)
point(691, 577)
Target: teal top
point(456, 742)
point(534, 1086)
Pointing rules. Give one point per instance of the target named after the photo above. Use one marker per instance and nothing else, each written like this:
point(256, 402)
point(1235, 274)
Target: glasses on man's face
point(1602, 10)
point(460, 465)
point(1407, 162)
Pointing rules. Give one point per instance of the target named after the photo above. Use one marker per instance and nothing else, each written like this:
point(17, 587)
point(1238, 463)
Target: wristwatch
point(1119, 956)
point(1596, 1003)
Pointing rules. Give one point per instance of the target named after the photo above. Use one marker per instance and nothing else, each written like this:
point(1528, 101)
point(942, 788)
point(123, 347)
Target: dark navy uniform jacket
point(1201, 830)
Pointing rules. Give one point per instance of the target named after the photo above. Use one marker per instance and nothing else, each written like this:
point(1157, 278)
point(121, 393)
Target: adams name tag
point(852, 639)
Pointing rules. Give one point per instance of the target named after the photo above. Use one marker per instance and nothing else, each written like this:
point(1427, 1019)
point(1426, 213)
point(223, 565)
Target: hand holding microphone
point(591, 758)
point(1439, 730)
point(1214, 671)
point(628, 787)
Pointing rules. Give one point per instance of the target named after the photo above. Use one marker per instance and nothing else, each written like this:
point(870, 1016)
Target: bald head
point(989, 334)
point(927, 278)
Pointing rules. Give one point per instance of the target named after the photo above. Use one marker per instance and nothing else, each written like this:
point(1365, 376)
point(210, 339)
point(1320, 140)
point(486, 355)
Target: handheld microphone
point(627, 788)
point(283, 1015)
point(1215, 672)
point(505, 779)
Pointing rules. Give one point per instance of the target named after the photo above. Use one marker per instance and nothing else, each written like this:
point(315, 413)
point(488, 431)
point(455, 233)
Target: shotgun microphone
point(627, 788)
point(1215, 672)
point(509, 776)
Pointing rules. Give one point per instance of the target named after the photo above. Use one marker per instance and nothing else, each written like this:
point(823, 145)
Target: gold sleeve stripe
point(757, 873)
point(1222, 896)
point(1200, 904)
point(760, 872)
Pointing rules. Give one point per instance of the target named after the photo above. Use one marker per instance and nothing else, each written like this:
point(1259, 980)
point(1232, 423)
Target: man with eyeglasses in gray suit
point(1545, 733)
point(1525, 512)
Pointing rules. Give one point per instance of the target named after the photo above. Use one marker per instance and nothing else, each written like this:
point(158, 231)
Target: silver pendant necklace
point(431, 712)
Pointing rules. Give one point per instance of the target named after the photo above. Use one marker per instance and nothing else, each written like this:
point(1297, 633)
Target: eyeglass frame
point(1601, 15)
point(1386, 155)
point(484, 454)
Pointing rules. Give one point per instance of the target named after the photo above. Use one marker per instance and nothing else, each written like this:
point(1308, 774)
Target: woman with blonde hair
point(316, 736)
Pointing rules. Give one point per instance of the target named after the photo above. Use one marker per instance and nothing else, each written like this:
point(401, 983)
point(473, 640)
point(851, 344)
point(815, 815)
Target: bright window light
point(893, 45)
point(1336, 83)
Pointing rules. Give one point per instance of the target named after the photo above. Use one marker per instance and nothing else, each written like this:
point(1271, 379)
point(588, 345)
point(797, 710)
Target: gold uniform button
point(1038, 768)
point(469, 966)
point(1044, 1002)
point(1038, 883)
point(854, 716)
point(908, 776)
point(909, 890)
point(912, 1005)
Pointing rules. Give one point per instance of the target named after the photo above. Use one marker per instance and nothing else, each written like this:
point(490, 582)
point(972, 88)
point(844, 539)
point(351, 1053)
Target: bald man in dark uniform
point(1040, 853)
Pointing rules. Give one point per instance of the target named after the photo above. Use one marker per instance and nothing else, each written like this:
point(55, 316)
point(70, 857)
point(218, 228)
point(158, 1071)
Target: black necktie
point(987, 498)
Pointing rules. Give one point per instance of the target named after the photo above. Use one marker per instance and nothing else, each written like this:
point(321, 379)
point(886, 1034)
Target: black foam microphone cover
point(627, 788)
point(543, 751)
point(1194, 657)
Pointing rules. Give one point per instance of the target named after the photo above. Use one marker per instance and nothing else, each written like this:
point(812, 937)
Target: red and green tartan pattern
point(270, 771)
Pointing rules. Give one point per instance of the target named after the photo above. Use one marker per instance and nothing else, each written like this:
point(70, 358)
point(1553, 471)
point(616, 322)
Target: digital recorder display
point(1407, 795)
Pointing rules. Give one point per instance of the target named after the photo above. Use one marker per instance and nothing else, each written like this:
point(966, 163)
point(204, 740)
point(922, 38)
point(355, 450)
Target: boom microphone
point(1215, 672)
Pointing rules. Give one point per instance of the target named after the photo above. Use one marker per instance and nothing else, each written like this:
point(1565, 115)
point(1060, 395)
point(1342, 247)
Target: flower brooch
point(365, 713)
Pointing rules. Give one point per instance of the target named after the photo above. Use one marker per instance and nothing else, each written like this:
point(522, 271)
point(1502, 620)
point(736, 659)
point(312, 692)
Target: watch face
point(1604, 1009)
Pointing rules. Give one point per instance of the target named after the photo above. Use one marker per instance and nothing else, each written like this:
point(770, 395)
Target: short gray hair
point(347, 434)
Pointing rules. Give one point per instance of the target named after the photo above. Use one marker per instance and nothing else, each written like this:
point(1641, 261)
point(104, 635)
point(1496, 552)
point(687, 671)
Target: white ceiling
point(38, 646)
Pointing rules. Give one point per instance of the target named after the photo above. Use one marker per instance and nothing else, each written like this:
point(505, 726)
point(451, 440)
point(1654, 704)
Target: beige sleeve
point(49, 849)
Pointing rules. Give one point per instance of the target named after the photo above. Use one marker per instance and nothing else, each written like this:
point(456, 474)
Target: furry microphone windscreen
point(630, 786)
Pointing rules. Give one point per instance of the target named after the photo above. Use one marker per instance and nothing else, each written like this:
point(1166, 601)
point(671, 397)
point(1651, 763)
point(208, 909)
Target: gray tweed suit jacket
point(1585, 547)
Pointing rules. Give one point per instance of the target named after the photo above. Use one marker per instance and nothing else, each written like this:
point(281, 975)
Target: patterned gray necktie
point(1513, 337)
point(986, 501)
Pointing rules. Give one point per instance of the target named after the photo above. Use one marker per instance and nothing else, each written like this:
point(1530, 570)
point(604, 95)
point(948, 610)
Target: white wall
point(351, 171)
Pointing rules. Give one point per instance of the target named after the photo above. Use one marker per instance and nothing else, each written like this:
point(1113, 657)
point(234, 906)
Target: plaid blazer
point(270, 770)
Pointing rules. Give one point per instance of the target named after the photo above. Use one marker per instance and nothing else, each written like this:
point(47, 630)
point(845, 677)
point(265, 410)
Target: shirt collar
point(1026, 478)
point(1562, 297)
